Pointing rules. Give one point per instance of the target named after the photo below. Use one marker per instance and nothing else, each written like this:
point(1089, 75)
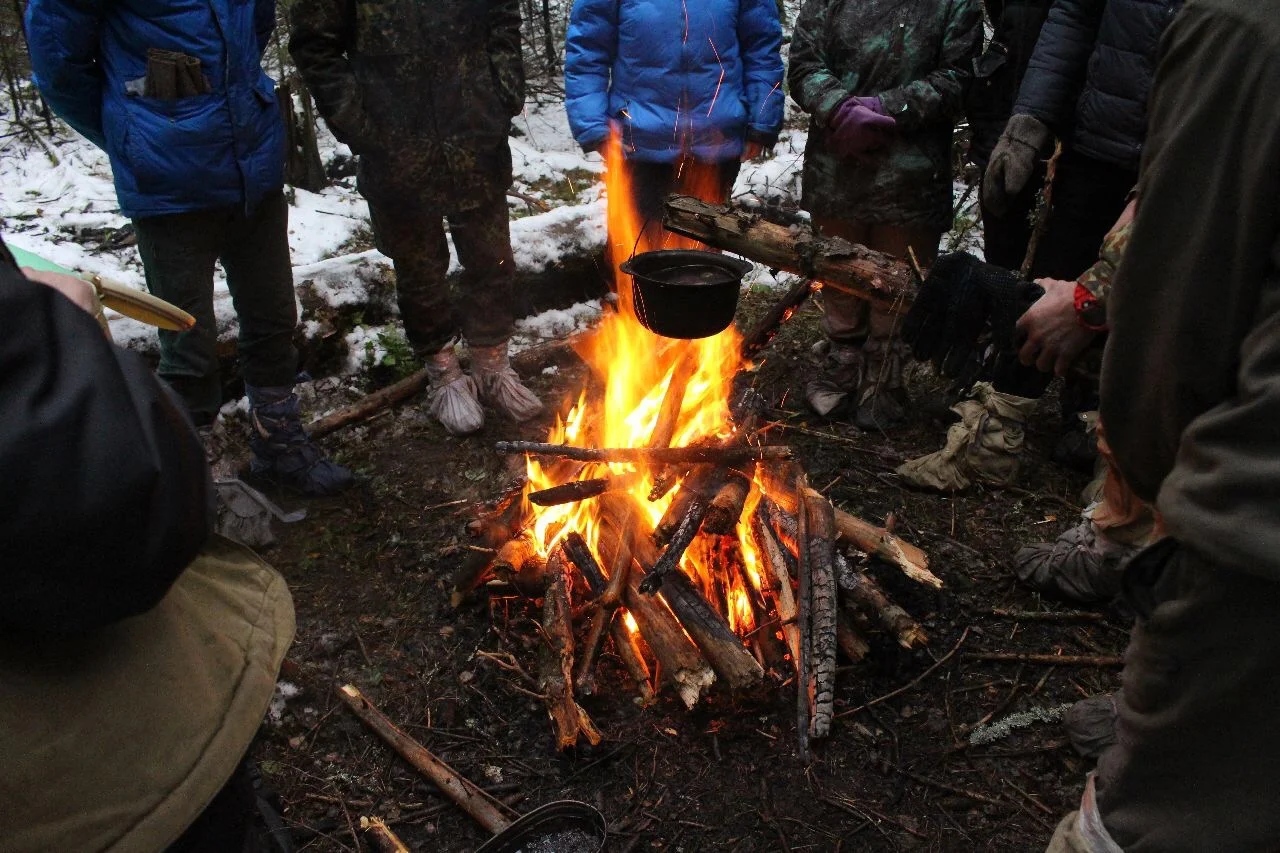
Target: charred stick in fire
point(779, 580)
point(579, 490)
point(701, 482)
point(673, 400)
point(629, 652)
point(556, 682)
point(850, 639)
point(598, 622)
point(726, 506)
point(783, 527)
point(686, 531)
point(608, 598)
point(735, 455)
point(866, 595)
point(822, 609)
point(501, 520)
point(763, 333)
point(804, 684)
point(579, 554)
point(475, 570)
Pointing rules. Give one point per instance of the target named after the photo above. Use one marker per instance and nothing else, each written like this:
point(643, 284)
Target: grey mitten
point(1013, 161)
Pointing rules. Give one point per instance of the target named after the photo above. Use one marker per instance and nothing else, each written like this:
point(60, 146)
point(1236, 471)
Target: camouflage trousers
point(414, 239)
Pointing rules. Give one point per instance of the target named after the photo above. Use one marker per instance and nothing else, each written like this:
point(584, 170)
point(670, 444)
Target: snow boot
point(1091, 724)
point(831, 393)
point(984, 446)
point(1083, 566)
point(453, 399)
point(500, 387)
point(882, 399)
point(282, 451)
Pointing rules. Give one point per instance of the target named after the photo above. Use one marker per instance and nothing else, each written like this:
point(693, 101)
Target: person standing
point(424, 92)
point(692, 90)
point(883, 83)
point(1191, 398)
point(175, 93)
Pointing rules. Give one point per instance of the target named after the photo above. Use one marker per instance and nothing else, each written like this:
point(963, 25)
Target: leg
point(1194, 766)
point(178, 254)
point(1088, 197)
point(255, 255)
point(844, 320)
point(414, 240)
point(1005, 237)
point(651, 183)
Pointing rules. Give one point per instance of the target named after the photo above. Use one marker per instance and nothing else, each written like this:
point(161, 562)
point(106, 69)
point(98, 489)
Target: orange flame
point(637, 367)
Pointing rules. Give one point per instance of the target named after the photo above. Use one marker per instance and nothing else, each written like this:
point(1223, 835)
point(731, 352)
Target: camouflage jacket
point(1098, 278)
point(917, 57)
point(423, 90)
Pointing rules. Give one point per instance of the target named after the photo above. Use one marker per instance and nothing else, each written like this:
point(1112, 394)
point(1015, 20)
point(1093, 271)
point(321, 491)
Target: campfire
point(657, 519)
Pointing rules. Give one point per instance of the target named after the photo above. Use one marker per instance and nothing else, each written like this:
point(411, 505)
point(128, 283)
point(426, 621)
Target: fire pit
point(656, 518)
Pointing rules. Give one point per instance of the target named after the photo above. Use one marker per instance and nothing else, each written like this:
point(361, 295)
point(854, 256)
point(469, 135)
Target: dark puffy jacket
point(699, 77)
point(1091, 74)
point(167, 155)
point(107, 494)
point(998, 73)
point(424, 90)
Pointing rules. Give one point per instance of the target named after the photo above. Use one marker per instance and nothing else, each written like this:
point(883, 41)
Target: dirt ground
point(371, 572)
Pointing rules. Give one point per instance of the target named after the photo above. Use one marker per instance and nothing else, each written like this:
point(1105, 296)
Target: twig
point(1046, 616)
point(1048, 660)
point(383, 837)
point(952, 789)
point(921, 677)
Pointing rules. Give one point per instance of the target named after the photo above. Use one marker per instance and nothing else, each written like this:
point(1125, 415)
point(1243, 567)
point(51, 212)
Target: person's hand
point(948, 317)
point(859, 126)
point(81, 293)
point(751, 150)
point(1013, 160)
point(1054, 338)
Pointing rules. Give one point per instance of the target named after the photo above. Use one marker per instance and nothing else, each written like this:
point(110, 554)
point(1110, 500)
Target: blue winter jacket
point(168, 156)
point(699, 76)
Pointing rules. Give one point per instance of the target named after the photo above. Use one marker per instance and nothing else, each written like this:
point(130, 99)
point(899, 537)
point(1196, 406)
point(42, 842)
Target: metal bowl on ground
point(685, 293)
point(564, 826)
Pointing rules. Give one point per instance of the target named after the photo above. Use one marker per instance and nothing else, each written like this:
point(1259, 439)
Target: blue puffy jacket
point(167, 156)
point(676, 76)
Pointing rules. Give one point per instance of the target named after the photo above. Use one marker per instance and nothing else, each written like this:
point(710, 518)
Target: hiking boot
point(1091, 724)
point(882, 399)
point(281, 449)
point(500, 387)
point(453, 399)
point(1083, 566)
point(841, 374)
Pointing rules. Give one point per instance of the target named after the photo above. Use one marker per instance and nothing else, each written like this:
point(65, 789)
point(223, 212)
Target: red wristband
point(1090, 313)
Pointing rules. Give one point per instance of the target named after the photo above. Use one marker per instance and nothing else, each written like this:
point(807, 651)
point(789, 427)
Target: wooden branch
point(712, 634)
point(822, 610)
point(371, 404)
point(673, 398)
point(624, 642)
point(556, 682)
point(684, 534)
point(383, 838)
point(579, 554)
point(726, 506)
point(762, 334)
point(864, 536)
point(1049, 660)
point(510, 562)
point(865, 594)
point(850, 639)
point(504, 518)
point(804, 683)
point(470, 798)
point(650, 455)
point(880, 279)
point(703, 482)
point(568, 493)
point(779, 581)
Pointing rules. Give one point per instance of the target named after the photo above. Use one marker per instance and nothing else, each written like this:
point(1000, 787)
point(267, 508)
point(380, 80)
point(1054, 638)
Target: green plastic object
point(27, 259)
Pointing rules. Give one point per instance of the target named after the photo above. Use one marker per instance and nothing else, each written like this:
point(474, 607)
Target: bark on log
point(486, 811)
point(779, 581)
point(822, 608)
point(726, 506)
point(850, 639)
point(762, 334)
point(649, 455)
point(865, 594)
point(804, 682)
point(883, 280)
point(697, 483)
point(579, 554)
point(684, 534)
point(556, 681)
point(715, 639)
point(567, 493)
point(624, 642)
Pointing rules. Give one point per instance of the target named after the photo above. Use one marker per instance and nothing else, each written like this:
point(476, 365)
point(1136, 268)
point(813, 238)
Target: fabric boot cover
point(984, 446)
point(453, 399)
point(839, 379)
point(500, 386)
point(1082, 566)
point(1091, 724)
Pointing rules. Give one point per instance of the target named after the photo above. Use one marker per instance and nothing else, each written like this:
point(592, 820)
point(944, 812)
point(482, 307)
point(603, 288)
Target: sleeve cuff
point(827, 105)
point(766, 138)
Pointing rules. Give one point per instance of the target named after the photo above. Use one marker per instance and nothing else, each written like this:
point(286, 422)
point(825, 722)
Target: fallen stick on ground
point(913, 682)
point(383, 837)
point(1048, 660)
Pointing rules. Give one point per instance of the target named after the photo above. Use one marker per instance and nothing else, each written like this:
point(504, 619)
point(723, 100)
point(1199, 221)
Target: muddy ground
point(371, 572)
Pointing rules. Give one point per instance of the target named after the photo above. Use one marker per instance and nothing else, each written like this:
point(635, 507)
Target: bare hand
point(76, 289)
point(1054, 338)
point(751, 151)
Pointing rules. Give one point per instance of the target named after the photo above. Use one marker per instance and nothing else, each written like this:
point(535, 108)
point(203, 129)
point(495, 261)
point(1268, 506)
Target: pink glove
point(860, 126)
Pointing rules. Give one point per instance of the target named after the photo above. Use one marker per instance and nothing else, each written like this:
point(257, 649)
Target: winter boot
point(453, 399)
point(500, 387)
point(1091, 724)
point(281, 449)
point(985, 446)
point(1083, 566)
point(882, 399)
point(834, 389)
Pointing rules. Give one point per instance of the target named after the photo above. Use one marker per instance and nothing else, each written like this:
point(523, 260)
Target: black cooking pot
point(685, 293)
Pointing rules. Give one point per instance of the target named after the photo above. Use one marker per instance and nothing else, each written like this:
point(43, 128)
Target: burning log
point(804, 683)
point(726, 506)
point(683, 535)
point(696, 484)
point(556, 680)
point(609, 596)
point(867, 596)
point(763, 333)
point(822, 610)
point(673, 400)
point(883, 280)
point(735, 455)
point(518, 562)
point(624, 642)
point(568, 493)
point(779, 580)
point(502, 520)
point(579, 554)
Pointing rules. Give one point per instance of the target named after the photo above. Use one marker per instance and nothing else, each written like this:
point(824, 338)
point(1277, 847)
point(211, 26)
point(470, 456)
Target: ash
point(566, 841)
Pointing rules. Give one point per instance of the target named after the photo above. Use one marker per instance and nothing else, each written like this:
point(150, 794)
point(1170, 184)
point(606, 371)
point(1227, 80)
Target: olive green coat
point(917, 57)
